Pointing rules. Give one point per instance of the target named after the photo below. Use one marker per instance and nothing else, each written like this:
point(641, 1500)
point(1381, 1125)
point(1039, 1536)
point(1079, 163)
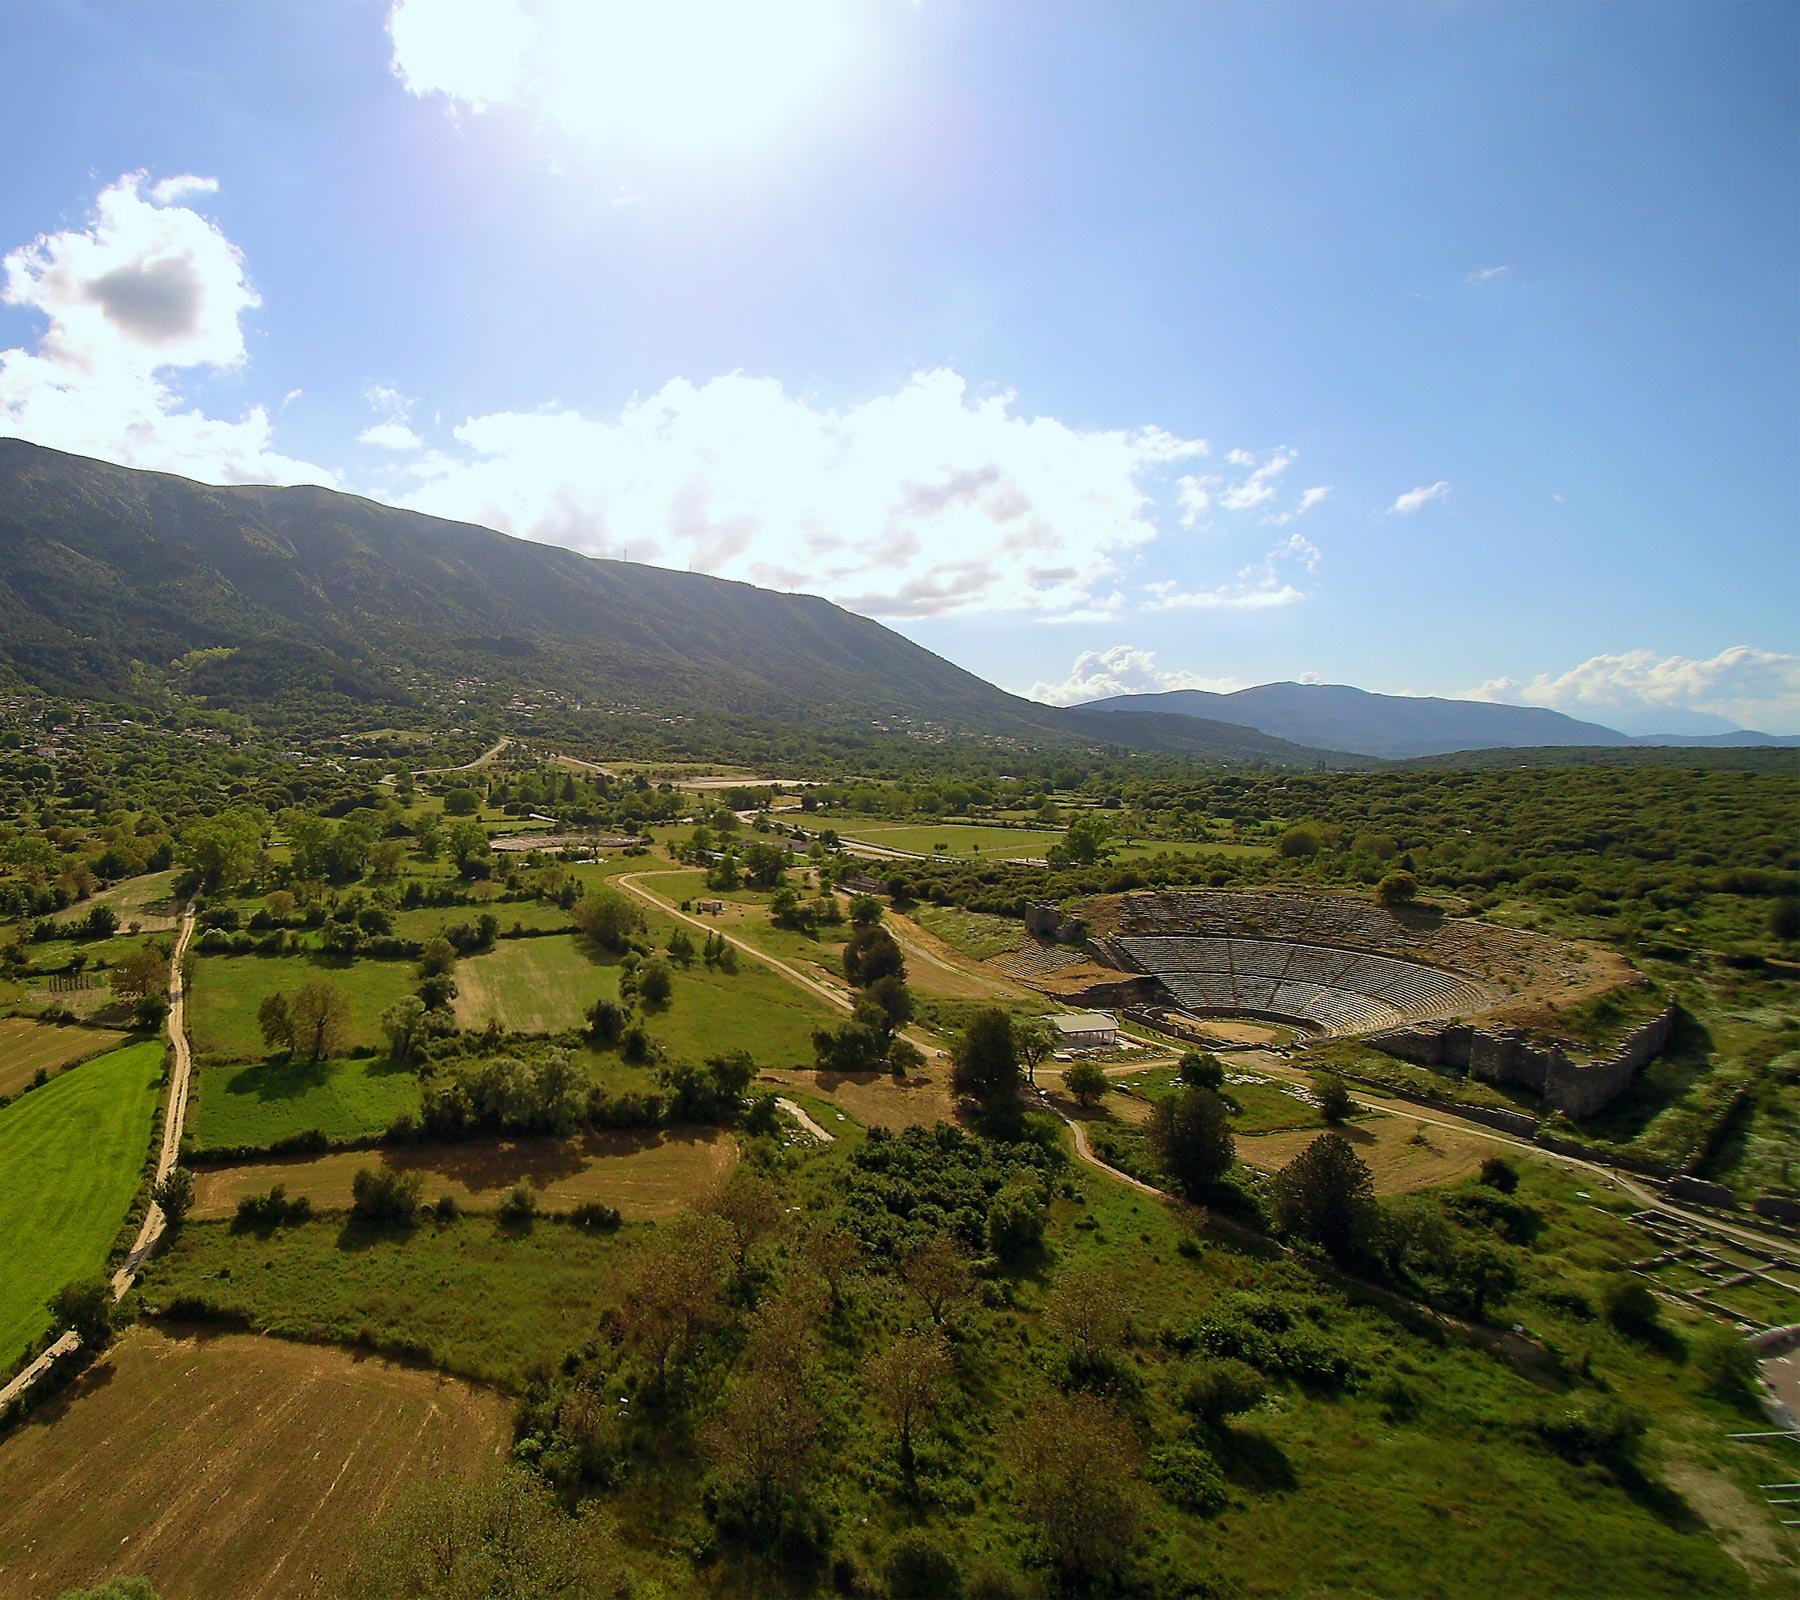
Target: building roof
point(1080, 1022)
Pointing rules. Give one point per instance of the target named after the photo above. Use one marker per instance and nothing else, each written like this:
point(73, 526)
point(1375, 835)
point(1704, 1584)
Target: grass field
point(644, 1176)
point(532, 985)
point(71, 1155)
point(270, 1100)
point(28, 1047)
point(1403, 1155)
point(145, 900)
point(226, 991)
point(874, 1098)
point(486, 1302)
point(428, 921)
point(223, 1466)
point(975, 933)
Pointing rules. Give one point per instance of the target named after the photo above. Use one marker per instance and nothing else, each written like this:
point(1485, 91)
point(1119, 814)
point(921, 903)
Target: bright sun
point(680, 77)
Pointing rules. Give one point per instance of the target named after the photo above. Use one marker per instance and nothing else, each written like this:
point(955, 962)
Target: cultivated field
point(270, 1100)
point(227, 1467)
point(642, 1175)
point(226, 991)
point(1404, 1155)
point(28, 1047)
point(532, 985)
point(74, 1152)
point(874, 1098)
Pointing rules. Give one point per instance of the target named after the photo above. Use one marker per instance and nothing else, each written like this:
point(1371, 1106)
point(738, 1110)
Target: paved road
point(468, 766)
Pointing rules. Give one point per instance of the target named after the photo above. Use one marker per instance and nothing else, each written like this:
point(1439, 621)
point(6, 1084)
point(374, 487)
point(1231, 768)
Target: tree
point(504, 1535)
point(678, 1289)
point(681, 947)
point(1333, 1095)
point(384, 1198)
point(1784, 919)
point(403, 1024)
point(608, 917)
point(275, 1022)
point(607, 1020)
point(1189, 1133)
point(1076, 1464)
point(461, 802)
point(1086, 1310)
point(1219, 1390)
point(917, 1568)
point(870, 955)
point(985, 1064)
point(907, 1378)
point(1631, 1306)
point(655, 982)
point(764, 864)
point(893, 1000)
point(1499, 1173)
point(865, 911)
point(1397, 889)
point(437, 956)
point(143, 971)
point(1035, 1041)
point(1482, 1274)
point(1085, 842)
point(470, 849)
point(937, 1270)
point(222, 849)
point(761, 1442)
point(174, 1195)
point(102, 922)
point(1326, 1194)
point(1086, 1080)
point(833, 1252)
point(750, 1207)
point(1200, 1069)
point(1015, 1218)
point(320, 1014)
point(86, 1305)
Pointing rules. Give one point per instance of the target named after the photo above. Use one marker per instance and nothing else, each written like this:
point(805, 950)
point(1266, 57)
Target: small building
point(714, 906)
point(861, 883)
point(1086, 1030)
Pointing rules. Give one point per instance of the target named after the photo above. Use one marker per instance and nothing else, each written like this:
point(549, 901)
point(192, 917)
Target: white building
point(1085, 1030)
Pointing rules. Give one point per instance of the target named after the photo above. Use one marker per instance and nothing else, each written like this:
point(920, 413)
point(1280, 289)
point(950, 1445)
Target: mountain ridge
point(1400, 727)
point(264, 599)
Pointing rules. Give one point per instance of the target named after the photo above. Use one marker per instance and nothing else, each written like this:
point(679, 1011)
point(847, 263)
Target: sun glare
point(690, 76)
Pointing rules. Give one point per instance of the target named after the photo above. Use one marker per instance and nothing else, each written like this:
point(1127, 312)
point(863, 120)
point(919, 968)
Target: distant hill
point(304, 604)
point(1332, 716)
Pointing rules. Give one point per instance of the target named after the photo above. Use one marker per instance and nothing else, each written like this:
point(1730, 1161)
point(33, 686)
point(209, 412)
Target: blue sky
point(1034, 330)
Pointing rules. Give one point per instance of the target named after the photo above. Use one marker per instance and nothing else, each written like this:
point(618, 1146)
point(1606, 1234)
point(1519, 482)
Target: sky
point(1100, 347)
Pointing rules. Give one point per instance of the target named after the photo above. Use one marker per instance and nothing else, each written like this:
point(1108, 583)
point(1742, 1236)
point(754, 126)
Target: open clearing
point(532, 985)
point(1404, 1155)
point(71, 1154)
point(645, 1176)
point(226, 990)
point(875, 1099)
point(28, 1047)
point(147, 900)
point(270, 1100)
point(226, 1467)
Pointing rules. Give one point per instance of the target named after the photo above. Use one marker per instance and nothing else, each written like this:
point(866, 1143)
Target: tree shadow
point(1252, 1460)
point(1662, 1502)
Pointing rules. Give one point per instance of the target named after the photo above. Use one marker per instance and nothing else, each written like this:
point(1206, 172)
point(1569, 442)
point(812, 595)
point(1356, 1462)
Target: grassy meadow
point(74, 1155)
point(265, 1101)
point(226, 990)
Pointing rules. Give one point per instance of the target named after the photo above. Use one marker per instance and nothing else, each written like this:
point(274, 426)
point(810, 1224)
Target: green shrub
point(1188, 1477)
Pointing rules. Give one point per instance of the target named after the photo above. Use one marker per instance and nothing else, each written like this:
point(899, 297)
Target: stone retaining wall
point(1577, 1089)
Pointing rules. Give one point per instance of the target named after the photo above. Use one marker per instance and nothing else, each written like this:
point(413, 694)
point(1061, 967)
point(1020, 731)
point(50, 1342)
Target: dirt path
point(173, 1119)
point(800, 1114)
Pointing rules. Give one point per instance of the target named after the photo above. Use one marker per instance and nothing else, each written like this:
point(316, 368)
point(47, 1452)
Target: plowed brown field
point(226, 1467)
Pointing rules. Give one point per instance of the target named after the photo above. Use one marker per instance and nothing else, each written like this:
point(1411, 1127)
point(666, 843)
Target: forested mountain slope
point(118, 583)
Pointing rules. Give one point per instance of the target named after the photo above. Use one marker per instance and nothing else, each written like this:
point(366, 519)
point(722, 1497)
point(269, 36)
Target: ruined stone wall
point(1577, 1089)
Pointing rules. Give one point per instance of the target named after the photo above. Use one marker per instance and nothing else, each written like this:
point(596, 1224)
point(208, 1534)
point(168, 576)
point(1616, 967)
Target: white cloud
point(147, 288)
point(1259, 488)
point(927, 501)
point(1122, 669)
point(1747, 687)
point(1405, 505)
point(1483, 275)
point(1312, 497)
point(1193, 495)
point(1260, 586)
point(390, 436)
point(473, 51)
